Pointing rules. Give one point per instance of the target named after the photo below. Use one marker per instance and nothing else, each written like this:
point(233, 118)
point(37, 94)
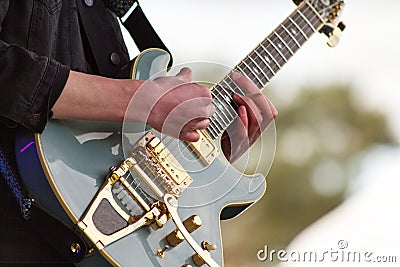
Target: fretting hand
point(255, 113)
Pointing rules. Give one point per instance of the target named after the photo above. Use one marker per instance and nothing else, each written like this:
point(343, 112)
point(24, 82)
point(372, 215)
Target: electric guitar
point(160, 203)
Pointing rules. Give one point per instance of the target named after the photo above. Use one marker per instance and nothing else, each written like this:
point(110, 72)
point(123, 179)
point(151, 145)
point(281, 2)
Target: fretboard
point(263, 63)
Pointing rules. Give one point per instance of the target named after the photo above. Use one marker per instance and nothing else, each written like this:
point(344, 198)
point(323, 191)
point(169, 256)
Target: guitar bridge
point(132, 195)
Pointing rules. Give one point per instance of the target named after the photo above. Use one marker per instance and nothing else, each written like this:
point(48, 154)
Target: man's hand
point(255, 113)
point(174, 105)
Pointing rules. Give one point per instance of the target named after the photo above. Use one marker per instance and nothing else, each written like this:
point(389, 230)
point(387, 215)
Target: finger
point(190, 136)
point(273, 109)
point(245, 83)
point(253, 113)
point(242, 113)
point(200, 107)
point(185, 75)
point(198, 124)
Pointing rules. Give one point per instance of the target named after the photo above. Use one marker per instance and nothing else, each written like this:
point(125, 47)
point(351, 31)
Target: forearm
point(90, 97)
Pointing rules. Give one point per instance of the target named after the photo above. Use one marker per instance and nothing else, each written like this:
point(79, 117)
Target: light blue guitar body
point(69, 163)
point(161, 203)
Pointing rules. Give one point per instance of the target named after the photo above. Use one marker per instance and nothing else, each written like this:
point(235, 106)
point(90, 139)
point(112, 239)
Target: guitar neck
point(263, 63)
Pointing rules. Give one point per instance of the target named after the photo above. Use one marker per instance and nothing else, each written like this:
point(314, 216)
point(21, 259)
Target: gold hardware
point(159, 222)
point(204, 148)
point(172, 205)
point(90, 251)
point(175, 238)
point(335, 34)
point(207, 246)
point(161, 252)
point(192, 223)
point(75, 248)
point(198, 260)
point(168, 162)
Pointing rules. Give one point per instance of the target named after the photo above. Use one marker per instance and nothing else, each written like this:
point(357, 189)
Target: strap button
point(89, 2)
point(115, 58)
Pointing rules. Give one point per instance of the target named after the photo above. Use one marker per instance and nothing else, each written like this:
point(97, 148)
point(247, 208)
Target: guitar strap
point(144, 36)
point(143, 33)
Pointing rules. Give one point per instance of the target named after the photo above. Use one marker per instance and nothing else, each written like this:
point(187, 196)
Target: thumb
point(185, 75)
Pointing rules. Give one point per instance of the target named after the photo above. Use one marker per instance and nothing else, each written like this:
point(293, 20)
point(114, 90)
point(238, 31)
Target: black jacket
point(40, 42)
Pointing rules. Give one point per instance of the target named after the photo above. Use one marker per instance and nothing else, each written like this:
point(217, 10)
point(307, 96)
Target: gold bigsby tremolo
point(152, 166)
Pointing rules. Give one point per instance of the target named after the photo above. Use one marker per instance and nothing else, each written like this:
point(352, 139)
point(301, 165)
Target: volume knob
point(175, 238)
point(192, 223)
point(197, 260)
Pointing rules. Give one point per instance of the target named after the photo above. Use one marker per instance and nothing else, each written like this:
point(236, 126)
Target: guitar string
point(299, 24)
point(290, 40)
point(246, 58)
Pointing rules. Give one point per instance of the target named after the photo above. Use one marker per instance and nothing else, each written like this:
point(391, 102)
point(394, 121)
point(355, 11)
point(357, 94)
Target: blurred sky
point(225, 31)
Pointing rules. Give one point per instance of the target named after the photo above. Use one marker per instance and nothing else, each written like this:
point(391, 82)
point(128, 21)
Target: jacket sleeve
point(29, 86)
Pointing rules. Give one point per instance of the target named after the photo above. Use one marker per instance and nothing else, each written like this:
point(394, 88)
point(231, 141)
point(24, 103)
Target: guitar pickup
point(204, 148)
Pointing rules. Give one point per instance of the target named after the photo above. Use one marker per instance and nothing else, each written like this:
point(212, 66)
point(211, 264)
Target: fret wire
point(218, 112)
point(226, 103)
point(292, 45)
point(309, 13)
point(215, 127)
point(258, 67)
point(284, 43)
point(243, 70)
point(279, 52)
point(294, 39)
point(316, 14)
point(255, 74)
point(226, 106)
point(316, 21)
point(228, 96)
point(212, 130)
point(292, 33)
point(273, 59)
point(217, 130)
point(299, 37)
point(298, 27)
point(219, 106)
point(246, 74)
point(236, 87)
point(304, 25)
point(312, 17)
point(217, 123)
point(309, 23)
point(261, 69)
point(210, 133)
point(266, 63)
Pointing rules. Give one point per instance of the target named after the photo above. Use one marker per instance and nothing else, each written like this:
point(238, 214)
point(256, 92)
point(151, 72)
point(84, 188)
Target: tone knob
point(192, 223)
point(175, 238)
point(197, 260)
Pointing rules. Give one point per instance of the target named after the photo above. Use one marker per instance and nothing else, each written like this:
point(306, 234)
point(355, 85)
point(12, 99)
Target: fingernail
point(236, 75)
